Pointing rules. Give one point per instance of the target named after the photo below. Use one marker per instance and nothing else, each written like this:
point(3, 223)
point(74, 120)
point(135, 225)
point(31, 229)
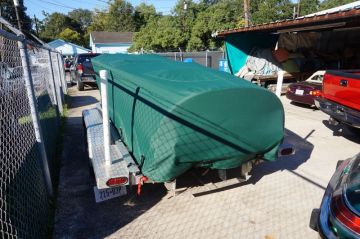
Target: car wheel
point(80, 85)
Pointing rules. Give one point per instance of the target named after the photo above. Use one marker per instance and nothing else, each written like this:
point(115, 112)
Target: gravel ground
point(276, 202)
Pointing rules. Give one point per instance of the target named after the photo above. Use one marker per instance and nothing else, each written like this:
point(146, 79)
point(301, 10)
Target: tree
point(120, 17)
point(185, 19)
point(159, 34)
point(308, 7)
point(222, 15)
point(327, 4)
point(82, 16)
point(55, 23)
point(7, 9)
point(143, 14)
point(71, 36)
point(271, 10)
point(99, 21)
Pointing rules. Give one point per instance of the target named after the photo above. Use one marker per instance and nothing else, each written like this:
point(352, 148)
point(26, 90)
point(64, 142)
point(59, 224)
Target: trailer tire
point(80, 86)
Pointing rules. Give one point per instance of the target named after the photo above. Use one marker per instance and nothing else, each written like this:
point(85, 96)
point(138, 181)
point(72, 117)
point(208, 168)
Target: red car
point(305, 92)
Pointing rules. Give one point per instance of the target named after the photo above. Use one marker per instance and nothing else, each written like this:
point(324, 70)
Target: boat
point(173, 116)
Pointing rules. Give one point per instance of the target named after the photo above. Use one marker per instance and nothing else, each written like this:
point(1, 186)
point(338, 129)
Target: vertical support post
point(57, 93)
point(105, 115)
point(181, 55)
point(35, 114)
point(206, 56)
point(61, 75)
point(279, 83)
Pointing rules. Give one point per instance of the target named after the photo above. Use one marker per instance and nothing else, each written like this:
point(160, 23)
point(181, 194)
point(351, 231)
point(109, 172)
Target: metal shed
point(331, 30)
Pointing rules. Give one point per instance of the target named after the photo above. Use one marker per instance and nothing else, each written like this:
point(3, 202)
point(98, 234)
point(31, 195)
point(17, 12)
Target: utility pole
point(16, 4)
point(298, 9)
point(246, 12)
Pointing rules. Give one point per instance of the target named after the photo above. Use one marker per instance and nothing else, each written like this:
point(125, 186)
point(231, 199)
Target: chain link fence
point(31, 98)
point(206, 58)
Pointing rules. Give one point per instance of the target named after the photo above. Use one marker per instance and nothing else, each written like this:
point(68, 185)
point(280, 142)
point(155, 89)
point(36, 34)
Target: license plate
point(299, 92)
point(108, 193)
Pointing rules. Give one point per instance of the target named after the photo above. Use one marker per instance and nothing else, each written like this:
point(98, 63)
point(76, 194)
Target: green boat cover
point(173, 116)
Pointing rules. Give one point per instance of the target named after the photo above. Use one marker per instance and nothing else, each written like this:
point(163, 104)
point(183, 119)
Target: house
point(110, 42)
point(67, 48)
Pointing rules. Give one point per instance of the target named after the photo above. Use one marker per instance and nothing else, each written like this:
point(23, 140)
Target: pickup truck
point(340, 97)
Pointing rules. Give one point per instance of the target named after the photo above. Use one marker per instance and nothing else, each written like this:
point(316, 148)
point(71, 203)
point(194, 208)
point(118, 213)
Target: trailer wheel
point(80, 85)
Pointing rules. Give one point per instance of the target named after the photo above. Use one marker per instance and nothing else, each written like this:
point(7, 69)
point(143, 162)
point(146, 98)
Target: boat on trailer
point(169, 117)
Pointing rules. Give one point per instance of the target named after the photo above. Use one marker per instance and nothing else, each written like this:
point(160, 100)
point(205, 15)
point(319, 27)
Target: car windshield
point(85, 58)
point(316, 79)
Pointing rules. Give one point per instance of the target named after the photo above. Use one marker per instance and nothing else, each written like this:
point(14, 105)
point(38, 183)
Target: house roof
point(112, 37)
point(345, 16)
point(59, 42)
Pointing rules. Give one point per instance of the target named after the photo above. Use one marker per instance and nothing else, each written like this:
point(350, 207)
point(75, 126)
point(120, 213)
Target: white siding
point(110, 49)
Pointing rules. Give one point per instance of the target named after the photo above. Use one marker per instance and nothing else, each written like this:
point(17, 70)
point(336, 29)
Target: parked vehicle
point(305, 92)
point(67, 64)
point(339, 213)
point(340, 97)
point(82, 71)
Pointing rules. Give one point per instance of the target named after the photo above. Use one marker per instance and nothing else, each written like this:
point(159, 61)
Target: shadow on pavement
point(303, 150)
point(82, 100)
point(77, 213)
point(305, 106)
point(345, 131)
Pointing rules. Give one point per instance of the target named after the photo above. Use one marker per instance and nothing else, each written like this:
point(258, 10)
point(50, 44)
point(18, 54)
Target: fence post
point(35, 114)
point(62, 72)
point(206, 56)
point(279, 83)
point(60, 78)
point(57, 93)
point(105, 113)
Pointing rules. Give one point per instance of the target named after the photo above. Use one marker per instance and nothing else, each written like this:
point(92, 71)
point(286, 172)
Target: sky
point(35, 7)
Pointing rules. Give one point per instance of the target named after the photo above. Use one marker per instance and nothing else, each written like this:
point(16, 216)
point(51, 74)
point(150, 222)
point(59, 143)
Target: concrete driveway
point(275, 203)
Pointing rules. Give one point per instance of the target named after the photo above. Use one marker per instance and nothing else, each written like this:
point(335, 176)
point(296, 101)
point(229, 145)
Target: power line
point(57, 4)
point(41, 6)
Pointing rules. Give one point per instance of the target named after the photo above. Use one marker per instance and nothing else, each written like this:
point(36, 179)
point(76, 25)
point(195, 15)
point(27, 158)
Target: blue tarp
point(238, 46)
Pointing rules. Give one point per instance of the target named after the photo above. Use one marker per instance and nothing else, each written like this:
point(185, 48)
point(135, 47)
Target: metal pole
point(61, 75)
point(206, 55)
point(57, 96)
point(279, 83)
point(181, 55)
point(105, 114)
point(63, 71)
point(35, 114)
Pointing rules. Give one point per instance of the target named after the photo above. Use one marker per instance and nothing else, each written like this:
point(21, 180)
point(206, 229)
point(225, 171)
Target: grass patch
point(55, 170)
